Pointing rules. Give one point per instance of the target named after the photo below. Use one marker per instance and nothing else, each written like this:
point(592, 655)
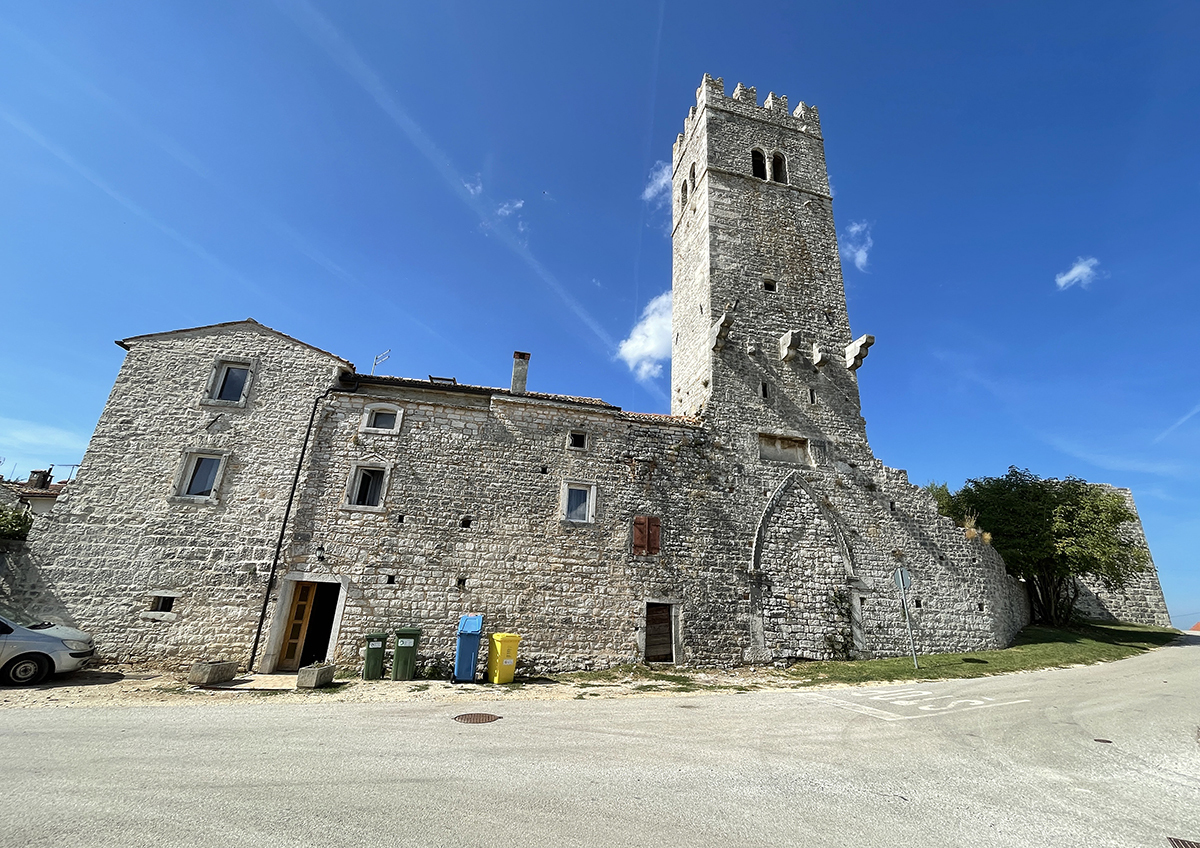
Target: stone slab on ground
point(208, 673)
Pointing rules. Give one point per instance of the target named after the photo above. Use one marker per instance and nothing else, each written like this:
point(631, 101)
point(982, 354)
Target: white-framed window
point(366, 487)
point(199, 476)
point(381, 418)
point(577, 440)
point(578, 503)
point(229, 383)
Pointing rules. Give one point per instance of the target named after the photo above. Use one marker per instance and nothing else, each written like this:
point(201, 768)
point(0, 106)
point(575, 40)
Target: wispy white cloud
point(658, 185)
point(1195, 411)
point(92, 177)
point(508, 207)
point(1081, 273)
point(649, 342)
point(857, 244)
point(1110, 462)
point(343, 54)
point(474, 187)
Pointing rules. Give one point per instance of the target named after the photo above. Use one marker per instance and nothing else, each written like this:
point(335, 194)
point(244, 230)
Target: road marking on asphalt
point(907, 703)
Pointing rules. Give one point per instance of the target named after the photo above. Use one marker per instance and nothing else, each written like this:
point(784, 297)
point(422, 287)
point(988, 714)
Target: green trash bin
point(373, 662)
point(404, 660)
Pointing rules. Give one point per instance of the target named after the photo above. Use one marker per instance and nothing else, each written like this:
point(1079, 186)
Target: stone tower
point(759, 319)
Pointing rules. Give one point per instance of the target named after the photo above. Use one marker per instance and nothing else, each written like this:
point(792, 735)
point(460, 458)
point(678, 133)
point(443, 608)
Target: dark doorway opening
point(660, 635)
point(310, 625)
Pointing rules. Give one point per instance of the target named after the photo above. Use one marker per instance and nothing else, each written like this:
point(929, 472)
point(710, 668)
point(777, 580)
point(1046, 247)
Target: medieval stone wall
point(122, 534)
point(1141, 599)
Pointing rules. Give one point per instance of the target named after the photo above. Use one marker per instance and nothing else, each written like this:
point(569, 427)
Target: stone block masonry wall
point(1141, 600)
point(121, 535)
point(575, 590)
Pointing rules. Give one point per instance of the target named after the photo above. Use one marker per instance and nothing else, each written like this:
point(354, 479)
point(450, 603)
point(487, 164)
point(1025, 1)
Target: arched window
point(778, 168)
point(692, 177)
point(683, 196)
point(758, 164)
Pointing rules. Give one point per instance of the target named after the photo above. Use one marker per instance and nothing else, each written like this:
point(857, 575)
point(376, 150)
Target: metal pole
point(287, 513)
point(908, 622)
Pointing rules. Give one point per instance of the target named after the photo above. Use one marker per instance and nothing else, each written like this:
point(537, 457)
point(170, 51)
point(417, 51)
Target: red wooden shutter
point(652, 534)
point(639, 534)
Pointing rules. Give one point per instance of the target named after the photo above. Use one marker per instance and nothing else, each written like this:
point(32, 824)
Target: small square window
point(770, 286)
point(577, 441)
point(381, 418)
point(229, 383)
point(233, 383)
point(200, 476)
point(764, 390)
point(579, 502)
point(161, 603)
point(366, 486)
point(203, 477)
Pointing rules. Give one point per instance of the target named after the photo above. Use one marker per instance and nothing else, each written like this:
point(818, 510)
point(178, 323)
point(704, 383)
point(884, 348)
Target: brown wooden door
point(297, 626)
point(660, 642)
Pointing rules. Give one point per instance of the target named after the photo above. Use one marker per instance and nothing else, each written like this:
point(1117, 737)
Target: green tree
point(14, 523)
point(1052, 531)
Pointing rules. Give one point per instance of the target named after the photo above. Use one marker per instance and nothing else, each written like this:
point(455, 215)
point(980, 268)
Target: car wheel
point(26, 670)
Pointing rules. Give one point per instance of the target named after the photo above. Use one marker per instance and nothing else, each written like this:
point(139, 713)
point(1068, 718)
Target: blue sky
point(1017, 190)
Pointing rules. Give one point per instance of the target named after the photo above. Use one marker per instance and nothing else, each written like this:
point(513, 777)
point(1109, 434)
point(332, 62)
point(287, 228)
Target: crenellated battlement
point(744, 101)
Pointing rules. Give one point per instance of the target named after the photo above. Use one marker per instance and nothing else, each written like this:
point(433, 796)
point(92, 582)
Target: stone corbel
point(719, 331)
point(789, 345)
point(819, 357)
point(856, 351)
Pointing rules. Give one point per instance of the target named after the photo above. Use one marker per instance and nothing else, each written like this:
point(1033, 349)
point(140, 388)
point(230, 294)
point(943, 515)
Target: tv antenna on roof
point(382, 358)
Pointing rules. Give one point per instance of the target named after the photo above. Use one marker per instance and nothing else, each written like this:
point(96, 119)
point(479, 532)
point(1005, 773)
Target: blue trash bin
point(466, 652)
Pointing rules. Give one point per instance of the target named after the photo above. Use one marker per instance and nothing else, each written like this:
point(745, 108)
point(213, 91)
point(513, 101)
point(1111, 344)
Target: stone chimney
point(520, 372)
point(39, 479)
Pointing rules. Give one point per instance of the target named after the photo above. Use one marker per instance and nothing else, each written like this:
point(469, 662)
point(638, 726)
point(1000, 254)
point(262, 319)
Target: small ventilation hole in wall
point(770, 285)
point(399, 519)
point(391, 579)
point(545, 469)
point(466, 521)
point(462, 583)
point(980, 607)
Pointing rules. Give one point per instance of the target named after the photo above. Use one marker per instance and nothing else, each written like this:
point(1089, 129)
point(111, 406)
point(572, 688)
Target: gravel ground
point(116, 686)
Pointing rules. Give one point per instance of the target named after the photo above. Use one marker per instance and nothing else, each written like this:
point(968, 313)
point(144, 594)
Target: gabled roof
point(250, 322)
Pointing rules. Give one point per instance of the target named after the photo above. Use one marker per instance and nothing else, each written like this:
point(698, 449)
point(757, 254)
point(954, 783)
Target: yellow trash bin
point(502, 657)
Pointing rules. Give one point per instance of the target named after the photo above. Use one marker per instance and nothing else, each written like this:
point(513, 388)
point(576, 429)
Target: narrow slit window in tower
point(683, 196)
point(758, 164)
point(778, 168)
point(692, 177)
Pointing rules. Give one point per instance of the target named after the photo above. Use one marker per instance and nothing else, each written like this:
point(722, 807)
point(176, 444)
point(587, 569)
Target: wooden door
point(660, 641)
point(297, 626)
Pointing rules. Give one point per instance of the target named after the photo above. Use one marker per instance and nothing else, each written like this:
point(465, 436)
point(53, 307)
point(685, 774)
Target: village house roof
point(249, 322)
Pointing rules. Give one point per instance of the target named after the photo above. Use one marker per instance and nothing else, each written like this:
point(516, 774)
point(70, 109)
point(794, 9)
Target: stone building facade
point(248, 496)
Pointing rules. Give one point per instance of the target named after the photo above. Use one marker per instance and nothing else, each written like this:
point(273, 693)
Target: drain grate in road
point(1181, 843)
point(476, 718)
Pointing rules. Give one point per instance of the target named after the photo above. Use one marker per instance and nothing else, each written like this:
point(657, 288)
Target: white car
point(31, 648)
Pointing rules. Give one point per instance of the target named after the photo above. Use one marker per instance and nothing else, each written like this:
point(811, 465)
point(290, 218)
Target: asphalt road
point(991, 762)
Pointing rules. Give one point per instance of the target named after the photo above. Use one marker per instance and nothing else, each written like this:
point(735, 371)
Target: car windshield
point(19, 617)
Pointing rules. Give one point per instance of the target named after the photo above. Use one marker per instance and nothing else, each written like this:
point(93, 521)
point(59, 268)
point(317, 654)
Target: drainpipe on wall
point(287, 514)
